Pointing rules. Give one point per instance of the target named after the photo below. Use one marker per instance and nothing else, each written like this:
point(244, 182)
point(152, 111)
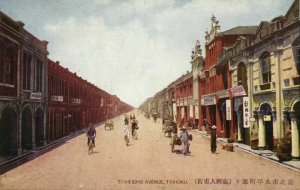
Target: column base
point(261, 148)
point(275, 142)
point(20, 151)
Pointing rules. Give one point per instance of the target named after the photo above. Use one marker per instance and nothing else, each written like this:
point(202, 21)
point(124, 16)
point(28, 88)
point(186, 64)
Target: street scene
point(151, 94)
point(147, 163)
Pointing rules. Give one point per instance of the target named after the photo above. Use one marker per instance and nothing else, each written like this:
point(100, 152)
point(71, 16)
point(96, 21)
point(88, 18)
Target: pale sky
point(132, 48)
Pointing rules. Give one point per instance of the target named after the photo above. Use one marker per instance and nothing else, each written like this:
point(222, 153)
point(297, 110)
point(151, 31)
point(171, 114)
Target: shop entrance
point(268, 124)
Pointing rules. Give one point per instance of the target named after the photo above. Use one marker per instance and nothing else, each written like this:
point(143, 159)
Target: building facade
point(23, 88)
point(274, 69)
point(184, 98)
point(197, 62)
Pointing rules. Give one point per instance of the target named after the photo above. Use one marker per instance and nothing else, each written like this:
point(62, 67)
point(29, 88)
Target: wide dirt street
point(146, 164)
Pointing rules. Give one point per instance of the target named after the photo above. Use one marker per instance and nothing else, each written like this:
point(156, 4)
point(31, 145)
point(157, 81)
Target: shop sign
point(174, 111)
point(57, 98)
point(228, 110)
point(238, 91)
point(75, 101)
point(196, 112)
point(208, 100)
point(267, 117)
point(36, 96)
point(246, 112)
point(222, 94)
point(102, 102)
point(191, 111)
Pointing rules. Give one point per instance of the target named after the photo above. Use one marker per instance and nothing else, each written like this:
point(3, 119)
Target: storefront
point(241, 114)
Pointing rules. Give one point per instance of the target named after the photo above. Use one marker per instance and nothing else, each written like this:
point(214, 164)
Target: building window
point(7, 62)
point(39, 76)
point(242, 76)
point(265, 64)
point(286, 82)
point(224, 79)
point(26, 71)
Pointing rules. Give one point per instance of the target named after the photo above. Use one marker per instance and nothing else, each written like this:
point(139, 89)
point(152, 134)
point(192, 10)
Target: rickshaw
point(177, 141)
point(169, 127)
point(109, 124)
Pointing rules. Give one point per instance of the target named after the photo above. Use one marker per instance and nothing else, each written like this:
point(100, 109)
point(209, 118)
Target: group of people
point(131, 125)
point(130, 128)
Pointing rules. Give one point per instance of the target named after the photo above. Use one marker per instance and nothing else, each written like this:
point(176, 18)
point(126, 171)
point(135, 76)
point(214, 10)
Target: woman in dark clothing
point(213, 139)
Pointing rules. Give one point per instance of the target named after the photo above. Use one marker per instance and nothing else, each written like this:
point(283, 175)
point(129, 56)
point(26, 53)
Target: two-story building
point(23, 87)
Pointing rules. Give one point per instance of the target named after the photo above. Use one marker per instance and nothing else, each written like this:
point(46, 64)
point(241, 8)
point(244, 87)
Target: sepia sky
point(132, 48)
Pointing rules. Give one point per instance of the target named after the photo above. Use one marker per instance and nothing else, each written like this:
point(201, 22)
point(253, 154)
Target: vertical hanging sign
point(228, 110)
point(246, 112)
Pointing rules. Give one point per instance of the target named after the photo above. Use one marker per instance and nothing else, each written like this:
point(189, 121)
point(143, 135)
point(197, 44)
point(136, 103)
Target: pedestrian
point(126, 133)
point(133, 127)
point(213, 138)
point(184, 136)
point(126, 120)
point(91, 134)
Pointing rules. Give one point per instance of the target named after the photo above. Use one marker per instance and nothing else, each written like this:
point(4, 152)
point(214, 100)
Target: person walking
point(213, 138)
point(134, 127)
point(126, 132)
point(184, 136)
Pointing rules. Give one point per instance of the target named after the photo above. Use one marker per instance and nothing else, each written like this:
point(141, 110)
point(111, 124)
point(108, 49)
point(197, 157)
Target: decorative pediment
point(262, 30)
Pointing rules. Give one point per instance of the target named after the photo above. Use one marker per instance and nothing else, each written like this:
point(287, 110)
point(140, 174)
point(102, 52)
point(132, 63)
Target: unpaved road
point(146, 164)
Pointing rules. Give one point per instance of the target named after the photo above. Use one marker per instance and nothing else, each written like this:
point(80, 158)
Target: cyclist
point(91, 134)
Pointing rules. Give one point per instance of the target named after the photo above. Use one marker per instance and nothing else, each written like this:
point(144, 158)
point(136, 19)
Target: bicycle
point(91, 145)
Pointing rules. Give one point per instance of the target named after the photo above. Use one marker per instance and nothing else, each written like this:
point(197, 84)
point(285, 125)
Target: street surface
point(146, 164)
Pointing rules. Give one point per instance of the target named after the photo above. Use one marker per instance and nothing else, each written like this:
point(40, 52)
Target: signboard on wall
point(267, 117)
point(102, 102)
point(228, 110)
point(36, 96)
point(196, 112)
point(208, 100)
point(246, 112)
point(191, 111)
point(57, 98)
point(174, 111)
point(238, 91)
point(75, 101)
